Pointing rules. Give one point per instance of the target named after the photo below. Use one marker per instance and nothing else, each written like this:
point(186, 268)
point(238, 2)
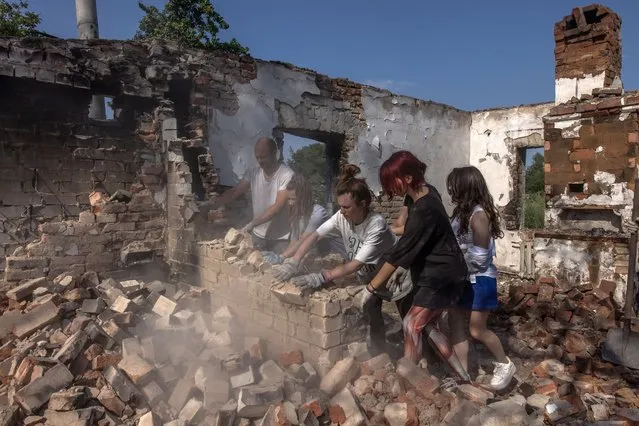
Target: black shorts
point(439, 295)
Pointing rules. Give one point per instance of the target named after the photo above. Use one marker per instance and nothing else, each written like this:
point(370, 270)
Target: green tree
point(311, 162)
point(191, 23)
point(535, 175)
point(16, 20)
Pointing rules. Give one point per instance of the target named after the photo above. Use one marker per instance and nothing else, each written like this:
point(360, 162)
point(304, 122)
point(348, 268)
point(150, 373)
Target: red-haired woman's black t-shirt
point(429, 249)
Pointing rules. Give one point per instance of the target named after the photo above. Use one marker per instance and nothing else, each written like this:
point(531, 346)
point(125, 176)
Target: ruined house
point(84, 195)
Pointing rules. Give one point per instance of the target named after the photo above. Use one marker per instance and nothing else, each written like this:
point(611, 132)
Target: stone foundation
point(321, 325)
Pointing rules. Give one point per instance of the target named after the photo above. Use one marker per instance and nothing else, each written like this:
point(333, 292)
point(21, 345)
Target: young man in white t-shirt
point(270, 227)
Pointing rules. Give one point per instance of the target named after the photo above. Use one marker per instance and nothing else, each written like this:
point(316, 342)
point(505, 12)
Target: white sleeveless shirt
point(465, 241)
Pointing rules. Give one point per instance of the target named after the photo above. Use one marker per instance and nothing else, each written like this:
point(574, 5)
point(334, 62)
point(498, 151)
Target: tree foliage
point(16, 20)
point(311, 162)
point(535, 175)
point(191, 23)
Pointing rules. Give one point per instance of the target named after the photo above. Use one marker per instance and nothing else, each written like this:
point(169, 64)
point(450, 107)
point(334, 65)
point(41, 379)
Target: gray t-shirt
point(331, 243)
point(264, 193)
point(366, 242)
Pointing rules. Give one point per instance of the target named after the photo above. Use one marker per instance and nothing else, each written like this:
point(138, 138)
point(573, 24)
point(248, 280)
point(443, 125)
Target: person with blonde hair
point(306, 217)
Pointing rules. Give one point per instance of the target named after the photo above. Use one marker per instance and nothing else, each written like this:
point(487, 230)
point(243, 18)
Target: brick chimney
point(587, 52)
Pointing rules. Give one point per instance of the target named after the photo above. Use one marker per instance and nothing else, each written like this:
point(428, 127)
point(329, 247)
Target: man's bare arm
point(232, 194)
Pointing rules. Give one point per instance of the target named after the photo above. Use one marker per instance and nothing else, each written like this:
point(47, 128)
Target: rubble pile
point(562, 322)
point(78, 350)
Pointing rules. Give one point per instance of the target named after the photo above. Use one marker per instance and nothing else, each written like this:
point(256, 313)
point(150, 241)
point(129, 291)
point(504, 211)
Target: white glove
point(248, 227)
point(362, 299)
point(399, 285)
point(286, 270)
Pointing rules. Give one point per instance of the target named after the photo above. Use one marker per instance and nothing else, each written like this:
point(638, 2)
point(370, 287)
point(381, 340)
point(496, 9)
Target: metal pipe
point(86, 14)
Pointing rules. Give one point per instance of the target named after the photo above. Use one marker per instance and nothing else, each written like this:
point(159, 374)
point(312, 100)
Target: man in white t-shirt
point(270, 225)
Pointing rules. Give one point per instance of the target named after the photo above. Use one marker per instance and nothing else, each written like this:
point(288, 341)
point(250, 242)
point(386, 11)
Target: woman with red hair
point(429, 249)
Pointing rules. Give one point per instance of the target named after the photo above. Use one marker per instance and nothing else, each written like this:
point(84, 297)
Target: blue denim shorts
point(481, 296)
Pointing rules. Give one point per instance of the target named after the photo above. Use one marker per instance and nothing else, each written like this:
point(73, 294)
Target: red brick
point(315, 407)
point(531, 289)
point(582, 154)
point(577, 144)
point(545, 293)
point(336, 414)
point(607, 286)
point(585, 107)
point(576, 167)
point(289, 358)
point(546, 145)
point(563, 316)
point(632, 100)
point(547, 280)
point(632, 163)
point(546, 387)
point(547, 168)
point(633, 137)
point(609, 103)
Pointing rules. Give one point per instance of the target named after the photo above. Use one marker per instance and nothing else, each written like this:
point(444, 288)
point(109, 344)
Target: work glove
point(363, 299)
point(248, 227)
point(272, 258)
point(286, 270)
point(310, 282)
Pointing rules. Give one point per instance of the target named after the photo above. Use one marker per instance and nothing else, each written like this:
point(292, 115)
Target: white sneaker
point(502, 375)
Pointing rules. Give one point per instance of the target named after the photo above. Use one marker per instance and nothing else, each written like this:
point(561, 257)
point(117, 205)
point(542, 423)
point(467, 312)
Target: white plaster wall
point(567, 88)
point(435, 133)
point(568, 261)
point(493, 137)
point(232, 137)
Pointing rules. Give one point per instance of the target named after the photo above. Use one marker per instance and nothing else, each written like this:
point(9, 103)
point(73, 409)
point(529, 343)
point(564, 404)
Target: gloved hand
point(395, 281)
point(286, 270)
point(362, 299)
point(272, 258)
point(310, 282)
point(248, 227)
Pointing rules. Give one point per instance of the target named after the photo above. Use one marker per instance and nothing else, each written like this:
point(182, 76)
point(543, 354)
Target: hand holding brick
point(286, 270)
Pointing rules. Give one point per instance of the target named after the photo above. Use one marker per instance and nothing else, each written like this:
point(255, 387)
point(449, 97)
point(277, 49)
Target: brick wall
point(588, 41)
point(321, 325)
point(603, 143)
point(94, 197)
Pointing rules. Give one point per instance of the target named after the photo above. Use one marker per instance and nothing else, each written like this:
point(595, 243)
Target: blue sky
point(466, 53)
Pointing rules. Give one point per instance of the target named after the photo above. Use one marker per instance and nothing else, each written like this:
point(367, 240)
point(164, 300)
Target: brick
point(35, 319)
point(192, 412)
point(343, 372)
point(582, 155)
point(111, 401)
point(72, 347)
point(164, 306)
point(289, 358)
point(547, 167)
point(150, 419)
point(253, 401)
point(181, 393)
point(34, 395)
point(136, 368)
point(105, 360)
point(122, 386)
point(25, 290)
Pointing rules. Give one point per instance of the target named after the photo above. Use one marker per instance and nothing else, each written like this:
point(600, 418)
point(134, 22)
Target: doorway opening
point(315, 155)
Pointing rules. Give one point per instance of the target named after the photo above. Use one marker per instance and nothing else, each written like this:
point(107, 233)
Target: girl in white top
point(366, 238)
point(476, 225)
point(365, 235)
